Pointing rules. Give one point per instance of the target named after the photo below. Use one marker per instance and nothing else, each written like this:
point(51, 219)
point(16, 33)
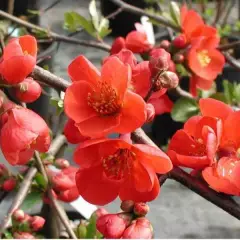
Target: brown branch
point(56, 144)
point(40, 165)
point(19, 198)
point(53, 35)
point(219, 4)
point(138, 11)
point(232, 61)
point(11, 6)
point(228, 11)
point(228, 46)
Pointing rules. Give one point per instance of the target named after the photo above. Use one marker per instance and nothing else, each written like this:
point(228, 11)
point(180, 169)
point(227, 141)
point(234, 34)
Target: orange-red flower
point(136, 41)
point(101, 104)
point(19, 59)
point(113, 167)
point(22, 134)
point(205, 60)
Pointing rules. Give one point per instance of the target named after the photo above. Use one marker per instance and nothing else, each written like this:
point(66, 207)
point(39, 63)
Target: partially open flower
point(18, 215)
point(62, 163)
point(168, 80)
point(37, 223)
point(9, 184)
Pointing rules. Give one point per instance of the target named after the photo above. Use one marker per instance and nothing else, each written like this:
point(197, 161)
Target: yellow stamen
point(203, 58)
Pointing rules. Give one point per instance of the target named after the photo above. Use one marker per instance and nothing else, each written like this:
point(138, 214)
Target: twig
point(40, 165)
point(202, 6)
point(138, 11)
point(229, 46)
point(219, 4)
point(53, 35)
point(228, 11)
point(57, 143)
point(11, 6)
point(232, 61)
point(50, 6)
point(19, 198)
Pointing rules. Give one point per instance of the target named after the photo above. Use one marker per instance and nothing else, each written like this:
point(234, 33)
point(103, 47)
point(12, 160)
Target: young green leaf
point(219, 96)
point(228, 90)
point(104, 30)
point(41, 181)
point(94, 14)
point(91, 228)
point(58, 103)
point(31, 200)
point(175, 12)
point(183, 109)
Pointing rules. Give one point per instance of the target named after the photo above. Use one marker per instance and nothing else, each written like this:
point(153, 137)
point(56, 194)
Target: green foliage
point(209, 13)
point(7, 235)
point(231, 92)
point(40, 33)
point(58, 103)
point(41, 181)
point(181, 70)
point(184, 108)
point(31, 200)
point(225, 30)
point(175, 12)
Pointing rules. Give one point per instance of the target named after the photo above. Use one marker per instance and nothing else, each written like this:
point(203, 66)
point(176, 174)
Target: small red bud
point(140, 228)
point(127, 205)
point(180, 41)
point(37, 223)
point(141, 209)
point(179, 58)
point(62, 163)
point(150, 112)
point(169, 80)
point(19, 215)
point(165, 44)
point(159, 61)
point(28, 91)
point(100, 212)
point(23, 235)
point(9, 184)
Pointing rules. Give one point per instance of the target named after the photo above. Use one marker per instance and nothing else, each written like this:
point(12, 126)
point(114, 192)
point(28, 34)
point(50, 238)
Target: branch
point(53, 35)
point(228, 46)
point(19, 198)
point(138, 11)
point(56, 144)
point(11, 6)
point(232, 61)
point(219, 4)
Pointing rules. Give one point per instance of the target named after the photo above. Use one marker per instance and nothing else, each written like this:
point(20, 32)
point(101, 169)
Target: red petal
point(94, 188)
point(118, 45)
point(75, 102)
point(214, 108)
point(81, 69)
point(28, 44)
point(191, 125)
point(162, 104)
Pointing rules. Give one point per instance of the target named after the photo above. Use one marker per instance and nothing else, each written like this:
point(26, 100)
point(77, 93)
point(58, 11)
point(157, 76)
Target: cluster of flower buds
point(129, 224)
point(24, 226)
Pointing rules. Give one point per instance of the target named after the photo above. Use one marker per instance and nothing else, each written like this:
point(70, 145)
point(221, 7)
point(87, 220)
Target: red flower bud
point(28, 91)
point(100, 212)
point(112, 225)
point(118, 45)
point(180, 41)
point(62, 182)
point(159, 61)
point(18, 215)
point(140, 228)
point(165, 44)
point(37, 223)
point(179, 58)
point(150, 112)
point(9, 184)
point(168, 80)
point(69, 195)
point(127, 205)
point(23, 235)
point(141, 209)
point(62, 163)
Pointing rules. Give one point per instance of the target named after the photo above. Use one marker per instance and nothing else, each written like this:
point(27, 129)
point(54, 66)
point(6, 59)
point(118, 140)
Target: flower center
point(104, 100)
point(25, 53)
point(203, 58)
point(118, 165)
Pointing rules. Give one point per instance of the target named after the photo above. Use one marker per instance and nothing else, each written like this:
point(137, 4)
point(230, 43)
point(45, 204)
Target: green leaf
point(183, 109)
point(104, 30)
point(91, 227)
point(175, 12)
point(34, 12)
point(94, 14)
point(32, 199)
point(219, 96)
point(208, 93)
point(24, 227)
point(181, 70)
point(236, 93)
point(58, 103)
point(228, 90)
point(40, 33)
point(41, 181)
point(7, 235)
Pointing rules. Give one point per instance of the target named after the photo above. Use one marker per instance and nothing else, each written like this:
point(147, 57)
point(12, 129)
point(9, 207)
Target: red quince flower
point(204, 60)
point(103, 104)
point(36, 223)
point(19, 59)
point(69, 195)
point(118, 45)
point(23, 235)
point(112, 167)
point(27, 132)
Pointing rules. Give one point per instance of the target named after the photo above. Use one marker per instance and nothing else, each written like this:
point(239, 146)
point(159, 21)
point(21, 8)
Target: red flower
point(19, 59)
point(204, 60)
point(27, 132)
point(37, 223)
point(72, 133)
point(28, 91)
point(112, 167)
point(69, 195)
point(118, 45)
point(23, 235)
point(224, 176)
point(100, 105)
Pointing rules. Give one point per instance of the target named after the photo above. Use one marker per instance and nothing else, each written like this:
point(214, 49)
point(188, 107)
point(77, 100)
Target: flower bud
point(180, 41)
point(81, 231)
point(113, 225)
point(19, 215)
point(168, 80)
point(150, 112)
point(99, 212)
point(127, 205)
point(140, 228)
point(28, 91)
point(23, 235)
point(141, 209)
point(9, 184)
point(62, 163)
point(179, 58)
point(118, 45)
point(165, 44)
point(37, 223)
point(159, 61)
point(62, 182)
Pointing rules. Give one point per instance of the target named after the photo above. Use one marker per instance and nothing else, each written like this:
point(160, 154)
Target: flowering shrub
point(136, 81)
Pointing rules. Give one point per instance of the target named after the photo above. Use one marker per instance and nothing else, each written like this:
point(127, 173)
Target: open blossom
point(136, 41)
point(113, 167)
point(101, 104)
point(19, 59)
point(27, 132)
